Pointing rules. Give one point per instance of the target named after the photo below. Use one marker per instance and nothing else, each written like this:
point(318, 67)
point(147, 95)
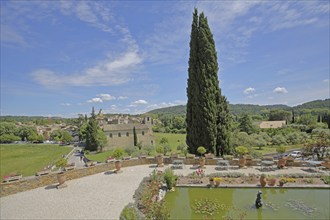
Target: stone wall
point(49, 180)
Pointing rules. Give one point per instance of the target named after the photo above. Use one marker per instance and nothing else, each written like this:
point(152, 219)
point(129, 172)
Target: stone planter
point(202, 162)
point(262, 181)
point(281, 163)
point(118, 165)
point(160, 160)
point(211, 182)
point(271, 182)
point(61, 178)
point(242, 162)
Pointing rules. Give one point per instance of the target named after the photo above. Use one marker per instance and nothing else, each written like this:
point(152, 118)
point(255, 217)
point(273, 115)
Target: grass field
point(27, 159)
point(272, 149)
point(173, 139)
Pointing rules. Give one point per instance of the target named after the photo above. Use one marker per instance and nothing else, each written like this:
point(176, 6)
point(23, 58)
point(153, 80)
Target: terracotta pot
point(118, 165)
point(211, 183)
point(202, 162)
point(262, 181)
point(217, 183)
point(281, 183)
point(160, 160)
point(271, 182)
point(61, 178)
point(241, 162)
point(281, 162)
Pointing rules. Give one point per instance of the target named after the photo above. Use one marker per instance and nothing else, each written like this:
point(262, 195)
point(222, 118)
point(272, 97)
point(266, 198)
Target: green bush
point(169, 178)
point(281, 149)
point(61, 163)
point(118, 153)
point(130, 212)
point(201, 150)
point(160, 149)
point(241, 151)
point(326, 179)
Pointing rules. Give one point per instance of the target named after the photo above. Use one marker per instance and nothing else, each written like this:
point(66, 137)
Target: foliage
point(206, 107)
point(279, 139)
point(101, 139)
point(281, 149)
point(130, 212)
point(183, 148)
point(129, 150)
point(208, 207)
point(167, 149)
point(91, 133)
point(118, 153)
point(61, 135)
point(326, 179)
point(228, 157)
point(9, 138)
point(135, 139)
point(279, 115)
point(245, 124)
point(241, 150)
point(60, 163)
point(160, 149)
point(201, 150)
point(164, 140)
point(169, 178)
point(148, 149)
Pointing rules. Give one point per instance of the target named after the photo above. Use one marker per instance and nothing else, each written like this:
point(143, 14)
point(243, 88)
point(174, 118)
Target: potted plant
point(282, 160)
point(271, 180)
point(262, 180)
point(160, 157)
point(118, 154)
point(282, 181)
point(211, 181)
point(61, 176)
point(202, 151)
point(241, 151)
point(217, 181)
point(169, 178)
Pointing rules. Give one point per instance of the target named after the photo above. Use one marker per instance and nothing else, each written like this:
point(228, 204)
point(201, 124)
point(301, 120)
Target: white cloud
point(122, 97)
point(105, 73)
point(280, 90)
point(95, 100)
point(65, 104)
point(249, 90)
point(140, 102)
point(106, 97)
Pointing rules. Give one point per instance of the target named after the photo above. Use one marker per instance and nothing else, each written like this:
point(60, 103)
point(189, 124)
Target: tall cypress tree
point(192, 117)
point(206, 108)
point(91, 133)
point(135, 140)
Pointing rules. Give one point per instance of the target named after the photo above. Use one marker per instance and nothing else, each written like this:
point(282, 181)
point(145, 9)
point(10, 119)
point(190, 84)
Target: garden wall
point(32, 182)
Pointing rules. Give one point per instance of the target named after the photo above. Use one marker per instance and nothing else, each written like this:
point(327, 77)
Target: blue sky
point(60, 58)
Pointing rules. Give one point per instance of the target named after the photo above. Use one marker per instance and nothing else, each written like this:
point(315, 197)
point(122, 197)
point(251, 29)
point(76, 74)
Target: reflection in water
point(259, 211)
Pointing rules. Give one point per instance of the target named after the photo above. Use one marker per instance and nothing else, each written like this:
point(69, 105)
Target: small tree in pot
point(202, 151)
point(61, 176)
point(241, 151)
point(282, 160)
point(159, 157)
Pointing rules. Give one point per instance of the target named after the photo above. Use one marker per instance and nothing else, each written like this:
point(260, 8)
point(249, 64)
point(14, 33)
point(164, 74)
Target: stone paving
point(99, 196)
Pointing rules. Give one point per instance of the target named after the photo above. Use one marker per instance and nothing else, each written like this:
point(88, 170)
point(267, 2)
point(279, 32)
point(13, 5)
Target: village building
point(272, 124)
point(122, 134)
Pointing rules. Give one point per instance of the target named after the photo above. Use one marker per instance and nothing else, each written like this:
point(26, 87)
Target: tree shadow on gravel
point(51, 187)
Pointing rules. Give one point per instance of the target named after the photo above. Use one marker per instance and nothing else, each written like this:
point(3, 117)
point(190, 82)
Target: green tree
point(203, 92)
point(163, 140)
point(279, 115)
point(135, 137)
point(245, 124)
point(102, 139)
point(91, 133)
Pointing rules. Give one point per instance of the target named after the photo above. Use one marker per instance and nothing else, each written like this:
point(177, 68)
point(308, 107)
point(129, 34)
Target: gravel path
point(99, 196)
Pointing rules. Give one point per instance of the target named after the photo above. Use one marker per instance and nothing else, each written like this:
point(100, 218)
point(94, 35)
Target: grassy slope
point(27, 159)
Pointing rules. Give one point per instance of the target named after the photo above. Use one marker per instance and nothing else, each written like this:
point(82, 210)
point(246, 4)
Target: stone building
point(122, 135)
point(272, 124)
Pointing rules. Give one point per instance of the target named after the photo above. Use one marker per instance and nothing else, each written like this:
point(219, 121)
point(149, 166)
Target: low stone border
point(32, 182)
point(295, 186)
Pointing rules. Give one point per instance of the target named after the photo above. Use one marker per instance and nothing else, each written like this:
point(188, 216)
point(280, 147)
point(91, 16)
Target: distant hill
point(238, 109)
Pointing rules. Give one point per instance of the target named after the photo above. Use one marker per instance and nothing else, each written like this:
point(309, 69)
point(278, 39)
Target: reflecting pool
point(218, 203)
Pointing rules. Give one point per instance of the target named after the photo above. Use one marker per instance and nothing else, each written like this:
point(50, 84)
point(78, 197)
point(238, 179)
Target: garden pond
point(239, 203)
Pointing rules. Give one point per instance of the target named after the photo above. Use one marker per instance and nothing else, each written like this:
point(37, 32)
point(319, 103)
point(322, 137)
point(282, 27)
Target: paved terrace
point(99, 196)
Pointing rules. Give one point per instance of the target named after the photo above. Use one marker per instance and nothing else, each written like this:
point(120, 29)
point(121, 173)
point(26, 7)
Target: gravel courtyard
point(99, 196)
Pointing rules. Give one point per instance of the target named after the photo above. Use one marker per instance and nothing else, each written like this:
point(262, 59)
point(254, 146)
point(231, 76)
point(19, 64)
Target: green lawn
point(100, 157)
point(27, 159)
point(272, 149)
point(173, 139)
